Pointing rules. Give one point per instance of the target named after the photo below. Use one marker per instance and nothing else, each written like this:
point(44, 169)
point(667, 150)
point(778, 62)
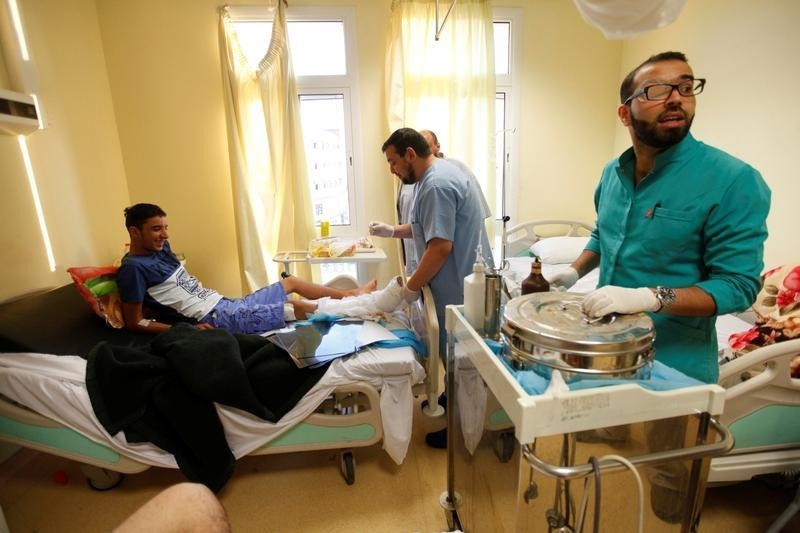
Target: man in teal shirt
point(680, 225)
point(680, 234)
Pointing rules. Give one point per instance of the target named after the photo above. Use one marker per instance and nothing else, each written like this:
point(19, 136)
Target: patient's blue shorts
point(257, 312)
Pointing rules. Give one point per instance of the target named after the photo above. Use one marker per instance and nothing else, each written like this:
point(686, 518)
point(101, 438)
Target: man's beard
point(649, 135)
point(411, 179)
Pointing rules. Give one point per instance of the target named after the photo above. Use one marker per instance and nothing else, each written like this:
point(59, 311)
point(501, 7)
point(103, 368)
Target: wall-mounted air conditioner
point(17, 113)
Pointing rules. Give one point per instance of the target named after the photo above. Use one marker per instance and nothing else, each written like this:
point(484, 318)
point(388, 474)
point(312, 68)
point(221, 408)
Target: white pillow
point(557, 250)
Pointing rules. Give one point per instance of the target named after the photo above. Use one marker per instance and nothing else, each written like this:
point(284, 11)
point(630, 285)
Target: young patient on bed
point(152, 281)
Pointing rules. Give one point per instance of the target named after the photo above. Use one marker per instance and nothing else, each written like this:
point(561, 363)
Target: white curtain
point(272, 198)
point(447, 86)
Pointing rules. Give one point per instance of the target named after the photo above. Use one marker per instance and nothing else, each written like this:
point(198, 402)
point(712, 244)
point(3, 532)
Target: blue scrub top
point(698, 218)
point(446, 205)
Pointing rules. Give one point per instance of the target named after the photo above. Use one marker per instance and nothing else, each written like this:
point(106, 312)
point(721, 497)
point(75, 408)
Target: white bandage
point(385, 300)
point(144, 322)
point(288, 313)
point(389, 298)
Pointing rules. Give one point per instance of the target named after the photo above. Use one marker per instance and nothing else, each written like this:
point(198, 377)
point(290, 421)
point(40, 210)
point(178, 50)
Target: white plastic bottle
point(475, 293)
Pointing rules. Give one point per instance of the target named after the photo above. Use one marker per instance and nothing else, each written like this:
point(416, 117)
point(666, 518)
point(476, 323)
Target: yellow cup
point(324, 228)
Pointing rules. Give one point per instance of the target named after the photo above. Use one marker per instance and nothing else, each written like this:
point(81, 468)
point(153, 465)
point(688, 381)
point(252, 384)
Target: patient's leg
point(312, 291)
point(385, 300)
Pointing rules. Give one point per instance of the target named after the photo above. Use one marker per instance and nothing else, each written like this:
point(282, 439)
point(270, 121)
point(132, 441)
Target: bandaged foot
point(390, 297)
point(386, 300)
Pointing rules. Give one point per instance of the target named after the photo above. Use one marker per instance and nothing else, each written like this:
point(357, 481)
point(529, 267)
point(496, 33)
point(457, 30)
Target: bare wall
point(77, 159)
point(748, 51)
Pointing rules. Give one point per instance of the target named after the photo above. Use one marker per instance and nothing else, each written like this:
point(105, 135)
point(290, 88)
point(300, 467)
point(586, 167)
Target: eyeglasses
point(662, 91)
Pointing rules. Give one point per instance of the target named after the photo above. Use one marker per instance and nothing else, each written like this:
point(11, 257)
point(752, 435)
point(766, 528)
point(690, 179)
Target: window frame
point(345, 85)
point(344, 92)
point(509, 86)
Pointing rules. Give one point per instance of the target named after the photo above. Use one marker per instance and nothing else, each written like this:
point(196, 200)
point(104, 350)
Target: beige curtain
point(447, 86)
point(272, 198)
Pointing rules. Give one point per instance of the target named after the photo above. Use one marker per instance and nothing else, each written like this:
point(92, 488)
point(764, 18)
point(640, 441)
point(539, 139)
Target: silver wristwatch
point(665, 296)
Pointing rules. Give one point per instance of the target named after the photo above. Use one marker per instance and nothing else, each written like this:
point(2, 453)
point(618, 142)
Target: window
point(507, 30)
point(323, 60)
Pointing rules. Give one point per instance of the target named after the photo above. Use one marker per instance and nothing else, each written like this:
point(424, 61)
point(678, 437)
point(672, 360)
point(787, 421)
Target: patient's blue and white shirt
point(159, 279)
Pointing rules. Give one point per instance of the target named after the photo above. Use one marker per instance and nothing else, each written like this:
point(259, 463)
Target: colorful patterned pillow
point(98, 286)
point(777, 310)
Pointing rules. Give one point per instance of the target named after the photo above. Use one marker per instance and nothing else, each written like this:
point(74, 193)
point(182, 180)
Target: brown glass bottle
point(535, 282)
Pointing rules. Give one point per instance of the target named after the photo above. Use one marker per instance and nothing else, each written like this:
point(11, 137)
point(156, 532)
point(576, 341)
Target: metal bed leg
point(792, 509)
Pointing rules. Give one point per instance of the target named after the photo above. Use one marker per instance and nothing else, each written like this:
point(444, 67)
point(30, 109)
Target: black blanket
point(164, 392)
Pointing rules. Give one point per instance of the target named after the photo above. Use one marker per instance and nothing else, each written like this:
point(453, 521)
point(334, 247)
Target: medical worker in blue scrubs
point(680, 234)
point(447, 224)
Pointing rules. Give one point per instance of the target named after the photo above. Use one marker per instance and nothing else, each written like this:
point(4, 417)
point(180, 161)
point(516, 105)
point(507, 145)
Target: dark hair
point(626, 88)
point(137, 214)
point(407, 138)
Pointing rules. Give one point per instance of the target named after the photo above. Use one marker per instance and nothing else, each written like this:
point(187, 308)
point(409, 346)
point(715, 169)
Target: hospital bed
point(762, 410)
point(362, 399)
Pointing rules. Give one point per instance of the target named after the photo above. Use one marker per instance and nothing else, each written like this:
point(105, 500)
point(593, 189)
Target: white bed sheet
point(54, 386)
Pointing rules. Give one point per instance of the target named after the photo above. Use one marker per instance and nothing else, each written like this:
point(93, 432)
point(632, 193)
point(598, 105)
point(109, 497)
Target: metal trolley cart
point(521, 462)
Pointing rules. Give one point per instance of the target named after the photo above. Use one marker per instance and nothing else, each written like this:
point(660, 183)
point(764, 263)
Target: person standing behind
point(433, 143)
point(406, 193)
point(446, 224)
point(680, 234)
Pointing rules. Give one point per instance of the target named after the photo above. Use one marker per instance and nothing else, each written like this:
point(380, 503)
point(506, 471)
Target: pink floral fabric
point(777, 310)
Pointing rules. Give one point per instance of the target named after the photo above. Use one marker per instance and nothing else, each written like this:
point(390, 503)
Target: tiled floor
point(305, 492)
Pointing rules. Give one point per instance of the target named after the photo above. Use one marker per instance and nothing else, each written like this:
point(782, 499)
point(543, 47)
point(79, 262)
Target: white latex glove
point(381, 229)
point(564, 279)
point(408, 295)
point(612, 299)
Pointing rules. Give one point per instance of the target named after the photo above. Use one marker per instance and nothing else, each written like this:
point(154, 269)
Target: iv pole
point(438, 27)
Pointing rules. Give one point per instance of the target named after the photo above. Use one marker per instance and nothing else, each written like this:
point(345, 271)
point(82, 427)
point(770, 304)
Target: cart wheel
point(504, 446)
point(101, 479)
point(347, 465)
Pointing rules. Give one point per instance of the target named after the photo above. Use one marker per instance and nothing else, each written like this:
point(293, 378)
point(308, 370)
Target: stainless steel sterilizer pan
point(547, 331)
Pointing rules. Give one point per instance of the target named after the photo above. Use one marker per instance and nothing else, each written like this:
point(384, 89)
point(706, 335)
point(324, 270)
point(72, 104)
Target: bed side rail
point(775, 360)
point(521, 236)
point(432, 362)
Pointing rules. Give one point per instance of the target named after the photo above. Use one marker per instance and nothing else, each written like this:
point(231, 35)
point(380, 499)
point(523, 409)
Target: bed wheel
point(100, 478)
point(347, 465)
point(504, 446)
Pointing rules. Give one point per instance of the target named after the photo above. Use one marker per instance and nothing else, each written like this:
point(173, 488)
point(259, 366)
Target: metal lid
point(555, 321)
